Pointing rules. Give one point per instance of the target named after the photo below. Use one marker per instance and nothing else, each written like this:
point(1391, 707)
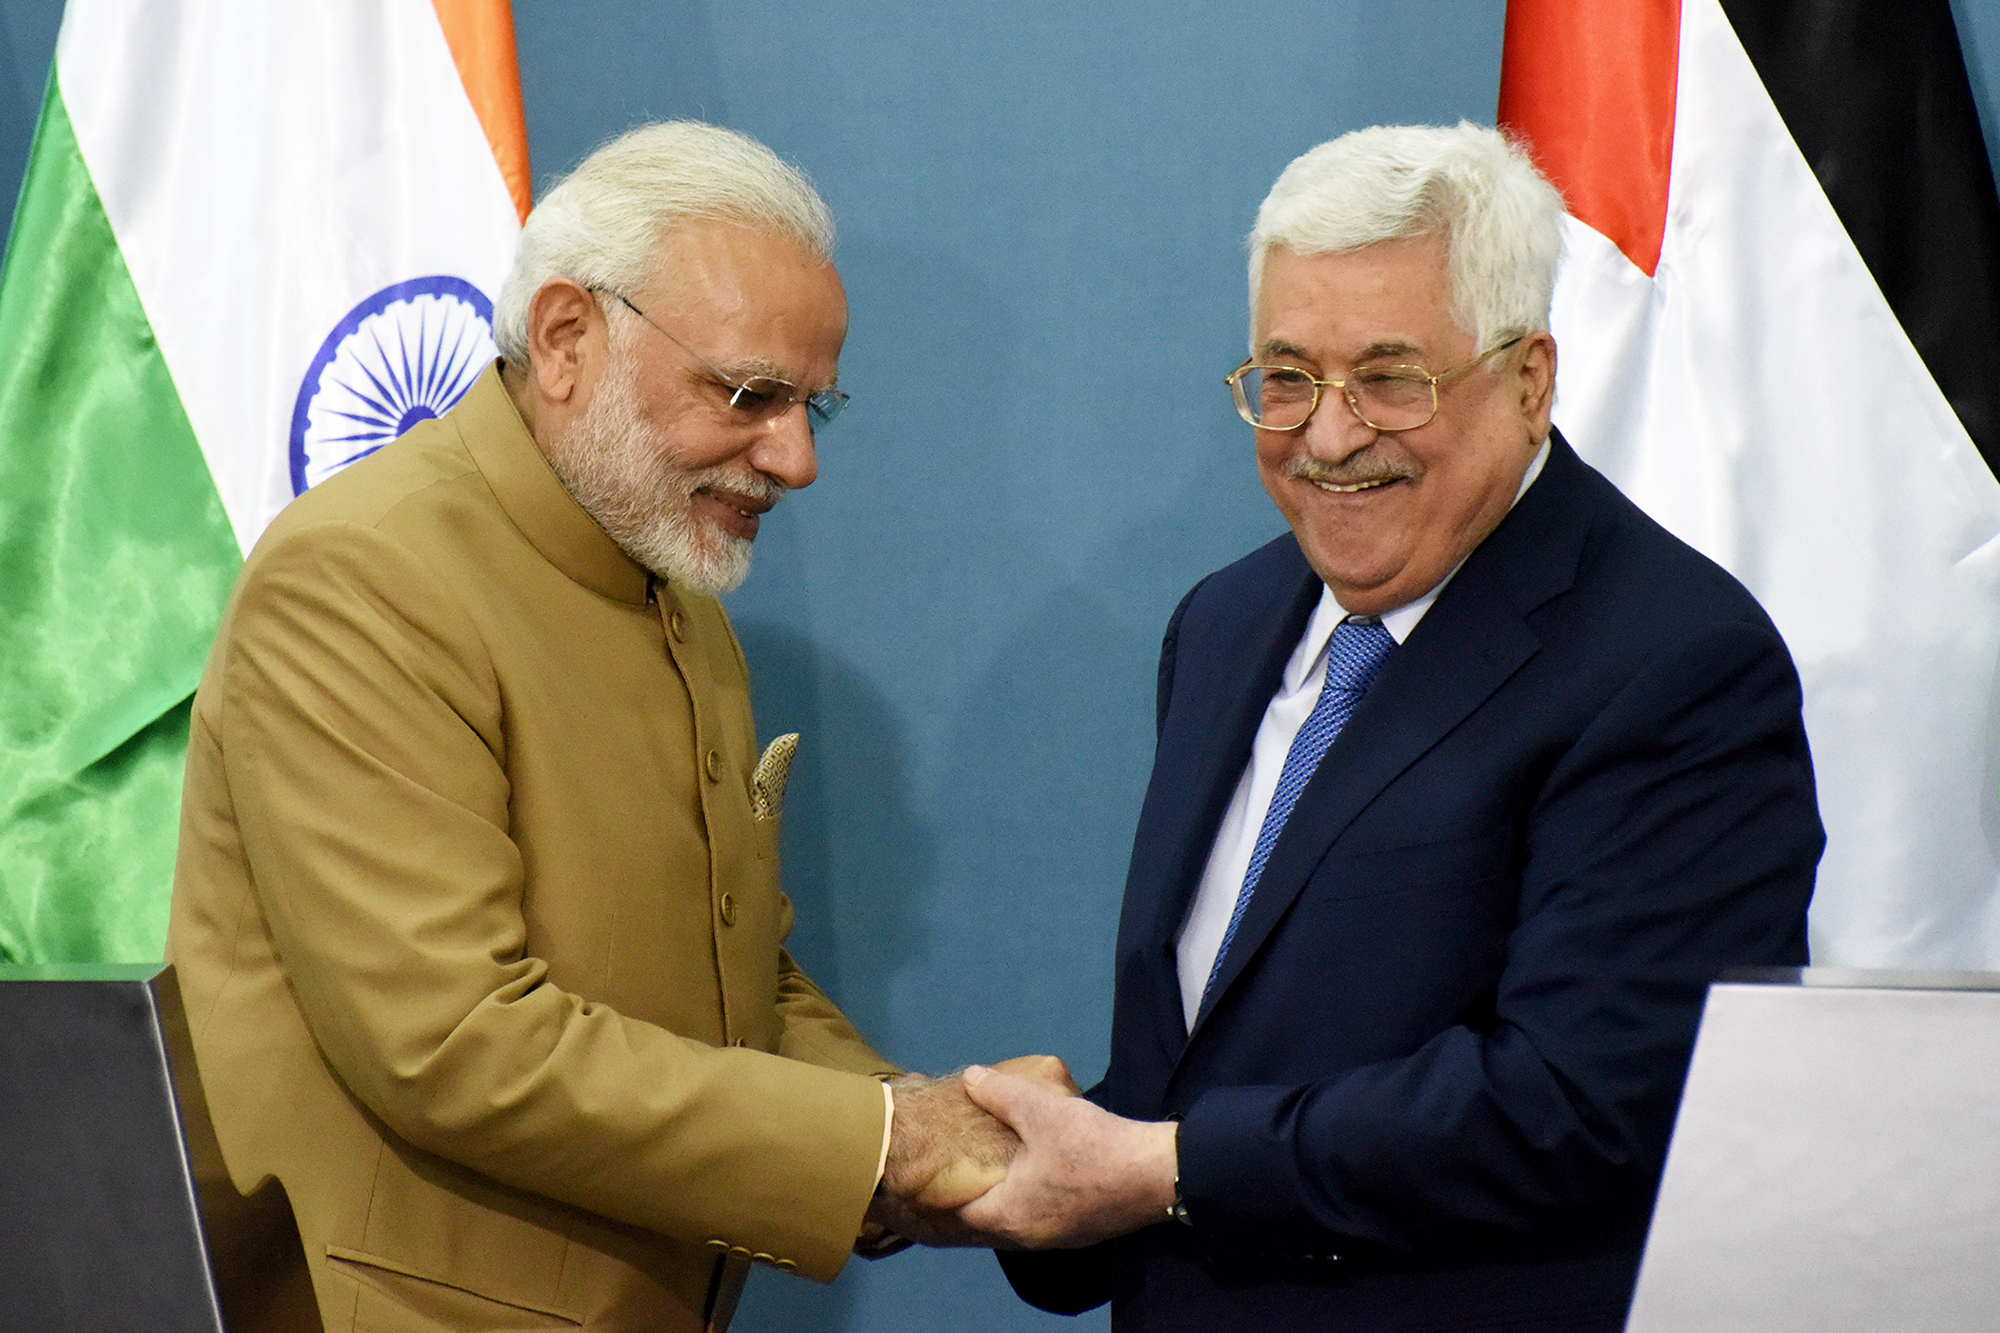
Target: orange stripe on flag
point(1589, 85)
point(481, 36)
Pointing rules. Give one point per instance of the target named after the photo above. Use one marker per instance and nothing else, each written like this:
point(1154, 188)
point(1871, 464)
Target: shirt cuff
point(888, 1125)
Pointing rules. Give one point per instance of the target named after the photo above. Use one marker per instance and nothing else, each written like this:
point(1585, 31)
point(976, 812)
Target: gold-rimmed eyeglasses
point(1386, 398)
point(759, 397)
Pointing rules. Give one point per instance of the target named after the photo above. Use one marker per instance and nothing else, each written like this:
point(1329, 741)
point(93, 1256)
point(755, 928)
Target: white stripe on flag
point(265, 167)
point(1760, 399)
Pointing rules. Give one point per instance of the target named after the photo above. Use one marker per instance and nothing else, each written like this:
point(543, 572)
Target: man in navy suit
point(1465, 789)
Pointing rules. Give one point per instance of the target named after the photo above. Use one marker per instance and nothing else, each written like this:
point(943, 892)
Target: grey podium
point(115, 1213)
point(1835, 1167)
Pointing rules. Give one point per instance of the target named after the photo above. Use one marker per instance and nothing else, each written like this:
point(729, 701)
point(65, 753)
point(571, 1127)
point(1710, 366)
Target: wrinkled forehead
point(750, 301)
point(1385, 299)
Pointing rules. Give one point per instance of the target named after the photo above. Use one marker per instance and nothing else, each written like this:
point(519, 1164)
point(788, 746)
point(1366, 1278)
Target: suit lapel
point(1211, 745)
point(1471, 640)
point(1224, 678)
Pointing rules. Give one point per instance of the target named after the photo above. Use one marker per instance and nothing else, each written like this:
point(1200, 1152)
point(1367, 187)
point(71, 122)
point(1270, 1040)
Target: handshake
point(1012, 1158)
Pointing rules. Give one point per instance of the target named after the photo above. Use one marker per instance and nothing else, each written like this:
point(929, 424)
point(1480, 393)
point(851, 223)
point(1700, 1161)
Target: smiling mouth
point(736, 510)
point(742, 504)
point(1352, 476)
point(1350, 488)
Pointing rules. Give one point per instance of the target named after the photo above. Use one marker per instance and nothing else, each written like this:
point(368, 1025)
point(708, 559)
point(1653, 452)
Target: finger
point(957, 1183)
point(1056, 1074)
point(991, 1215)
point(1047, 1070)
point(1006, 1098)
point(935, 1227)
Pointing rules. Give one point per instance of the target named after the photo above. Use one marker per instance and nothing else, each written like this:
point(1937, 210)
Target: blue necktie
point(1352, 659)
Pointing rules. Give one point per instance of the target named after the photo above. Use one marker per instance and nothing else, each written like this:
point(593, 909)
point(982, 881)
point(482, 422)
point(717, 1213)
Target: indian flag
point(1779, 321)
point(255, 242)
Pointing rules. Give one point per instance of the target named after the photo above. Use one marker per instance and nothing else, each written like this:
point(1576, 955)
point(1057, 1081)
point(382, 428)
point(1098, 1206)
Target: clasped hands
point(1011, 1157)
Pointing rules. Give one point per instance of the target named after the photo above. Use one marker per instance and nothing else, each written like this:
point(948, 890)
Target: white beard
point(622, 469)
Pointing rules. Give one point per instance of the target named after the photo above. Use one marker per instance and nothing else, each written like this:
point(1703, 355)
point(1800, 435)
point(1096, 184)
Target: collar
point(534, 498)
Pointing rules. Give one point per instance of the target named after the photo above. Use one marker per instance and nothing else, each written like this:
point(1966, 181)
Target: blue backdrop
point(1042, 208)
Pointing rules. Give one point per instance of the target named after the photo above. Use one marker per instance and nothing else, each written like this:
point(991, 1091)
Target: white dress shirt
point(1298, 690)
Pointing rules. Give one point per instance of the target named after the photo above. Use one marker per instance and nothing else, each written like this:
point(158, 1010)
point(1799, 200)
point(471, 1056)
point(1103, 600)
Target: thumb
point(1008, 1099)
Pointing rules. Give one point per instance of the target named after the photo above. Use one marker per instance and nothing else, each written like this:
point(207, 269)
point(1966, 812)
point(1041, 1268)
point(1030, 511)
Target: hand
point(945, 1152)
point(1082, 1175)
point(1048, 1070)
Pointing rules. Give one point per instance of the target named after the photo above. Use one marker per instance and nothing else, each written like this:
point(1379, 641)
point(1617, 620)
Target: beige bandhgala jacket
point(480, 939)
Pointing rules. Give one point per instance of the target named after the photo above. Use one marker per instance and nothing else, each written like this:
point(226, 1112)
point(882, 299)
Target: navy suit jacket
point(1433, 1083)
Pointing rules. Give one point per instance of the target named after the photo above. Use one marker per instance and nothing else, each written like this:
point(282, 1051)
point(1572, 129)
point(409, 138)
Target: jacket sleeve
point(815, 1031)
point(360, 729)
point(1678, 835)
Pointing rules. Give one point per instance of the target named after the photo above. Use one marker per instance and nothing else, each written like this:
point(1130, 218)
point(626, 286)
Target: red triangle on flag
point(1589, 87)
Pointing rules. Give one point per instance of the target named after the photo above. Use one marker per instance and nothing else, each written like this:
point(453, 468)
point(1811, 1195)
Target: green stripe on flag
point(90, 860)
point(115, 559)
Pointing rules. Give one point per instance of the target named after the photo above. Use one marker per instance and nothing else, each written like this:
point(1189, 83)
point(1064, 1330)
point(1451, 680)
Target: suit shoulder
point(1250, 589)
point(408, 486)
point(1631, 555)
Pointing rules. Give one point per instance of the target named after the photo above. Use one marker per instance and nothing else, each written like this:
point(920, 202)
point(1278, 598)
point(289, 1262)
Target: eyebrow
point(754, 367)
point(761, 368)
point(1387, 347)
point(1376, 351)
point(1279, 347)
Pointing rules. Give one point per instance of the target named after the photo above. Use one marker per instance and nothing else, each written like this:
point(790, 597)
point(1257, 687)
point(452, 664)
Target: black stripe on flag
point(1875, 95)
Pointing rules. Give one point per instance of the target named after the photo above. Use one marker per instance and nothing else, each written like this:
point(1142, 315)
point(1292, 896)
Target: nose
point(785, 449)
point(1335, 430)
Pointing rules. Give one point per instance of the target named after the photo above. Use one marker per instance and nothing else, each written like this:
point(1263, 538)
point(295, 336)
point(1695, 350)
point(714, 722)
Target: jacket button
point(714, 766)
point(728, 909)
point(677, 625)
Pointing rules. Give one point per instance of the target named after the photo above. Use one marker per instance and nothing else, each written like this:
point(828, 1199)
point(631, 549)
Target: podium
point(1835, 1166)
point(115, 1211)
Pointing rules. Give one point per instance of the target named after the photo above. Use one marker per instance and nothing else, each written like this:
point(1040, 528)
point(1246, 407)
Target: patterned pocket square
point(774, 770)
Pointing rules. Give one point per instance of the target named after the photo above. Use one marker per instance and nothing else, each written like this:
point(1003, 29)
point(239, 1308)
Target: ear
point(1537, 379)
point(564, 332)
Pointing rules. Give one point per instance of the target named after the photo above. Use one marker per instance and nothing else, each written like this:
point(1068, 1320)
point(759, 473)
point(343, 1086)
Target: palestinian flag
point(255, 240)
point(1779, 331)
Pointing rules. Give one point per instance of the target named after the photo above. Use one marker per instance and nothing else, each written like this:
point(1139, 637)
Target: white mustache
point(1304, 467)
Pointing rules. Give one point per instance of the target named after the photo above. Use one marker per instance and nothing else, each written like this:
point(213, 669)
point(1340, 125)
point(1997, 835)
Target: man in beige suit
point(477, 914)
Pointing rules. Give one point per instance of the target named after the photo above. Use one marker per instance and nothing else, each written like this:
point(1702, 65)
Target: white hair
point(601, 225)
point(1471, 186)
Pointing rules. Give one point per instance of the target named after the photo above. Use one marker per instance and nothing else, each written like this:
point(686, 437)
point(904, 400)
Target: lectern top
point(1863, 978)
